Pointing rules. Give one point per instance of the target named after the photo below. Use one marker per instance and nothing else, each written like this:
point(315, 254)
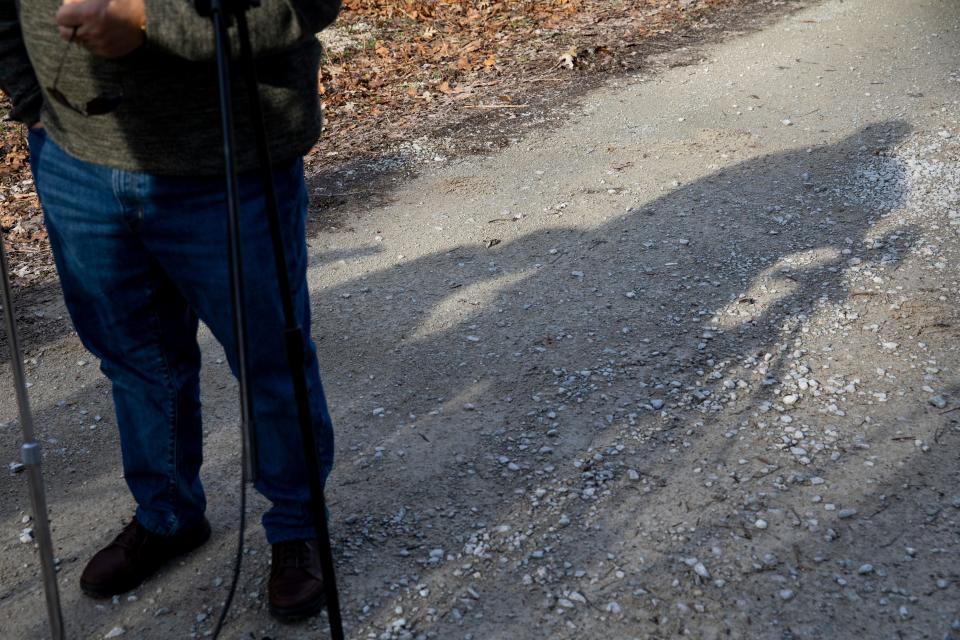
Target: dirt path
point(685, 366)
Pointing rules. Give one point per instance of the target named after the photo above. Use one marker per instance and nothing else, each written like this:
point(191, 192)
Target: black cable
point(293, 336)
point(294, 340)
point(238, 560)
point(248, 449)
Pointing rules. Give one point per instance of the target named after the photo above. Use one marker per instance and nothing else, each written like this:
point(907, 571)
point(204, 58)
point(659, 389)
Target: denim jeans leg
point(185, 229)
point(129, 315)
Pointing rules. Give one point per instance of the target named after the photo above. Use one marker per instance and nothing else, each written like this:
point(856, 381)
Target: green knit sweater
point(168, 119)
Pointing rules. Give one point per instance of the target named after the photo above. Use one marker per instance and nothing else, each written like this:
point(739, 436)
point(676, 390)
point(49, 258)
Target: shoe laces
point(292, 554)
point(132, 536)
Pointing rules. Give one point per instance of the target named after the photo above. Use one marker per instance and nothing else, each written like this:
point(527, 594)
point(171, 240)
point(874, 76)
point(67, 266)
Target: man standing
point(122, 103)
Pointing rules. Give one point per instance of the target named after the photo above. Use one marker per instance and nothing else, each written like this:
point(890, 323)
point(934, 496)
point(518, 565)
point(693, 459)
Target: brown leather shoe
point(296, 583)
point(135, 555)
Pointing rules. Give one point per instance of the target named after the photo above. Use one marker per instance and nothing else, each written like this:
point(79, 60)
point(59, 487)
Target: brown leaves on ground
point(390, 63)
point(15, 157)
point(395, 69)
point(20, 216)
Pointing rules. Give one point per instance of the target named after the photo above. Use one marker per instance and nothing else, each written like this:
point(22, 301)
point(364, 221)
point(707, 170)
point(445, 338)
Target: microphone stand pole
point(221, 12)
point(31, 456)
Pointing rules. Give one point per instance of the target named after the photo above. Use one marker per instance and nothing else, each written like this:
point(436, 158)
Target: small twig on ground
point(496, 106)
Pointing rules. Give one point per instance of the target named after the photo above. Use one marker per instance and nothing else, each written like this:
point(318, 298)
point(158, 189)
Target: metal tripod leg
point(31, 456)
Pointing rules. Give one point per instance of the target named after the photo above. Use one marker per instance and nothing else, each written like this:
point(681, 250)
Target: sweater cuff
point(27, 109)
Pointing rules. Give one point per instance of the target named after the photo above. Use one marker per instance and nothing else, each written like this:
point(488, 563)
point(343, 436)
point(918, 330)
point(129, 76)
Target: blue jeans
point(141, 259)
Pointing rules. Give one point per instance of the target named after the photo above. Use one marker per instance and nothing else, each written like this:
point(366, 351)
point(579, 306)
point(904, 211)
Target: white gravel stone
point(701, 570)
point(760, 523)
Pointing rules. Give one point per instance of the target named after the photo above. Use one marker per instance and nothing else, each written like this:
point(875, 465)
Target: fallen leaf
point(569, 59)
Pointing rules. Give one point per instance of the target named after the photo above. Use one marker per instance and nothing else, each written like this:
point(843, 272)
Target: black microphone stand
point(221, 12)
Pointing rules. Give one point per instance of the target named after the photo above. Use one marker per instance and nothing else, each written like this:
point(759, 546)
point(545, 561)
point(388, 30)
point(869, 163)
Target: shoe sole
point(102, 592)
point(288, 615)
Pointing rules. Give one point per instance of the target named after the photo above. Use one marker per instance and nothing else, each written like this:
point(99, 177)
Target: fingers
point(81, 21)
point(74, 14)
point(70, 34)
point(76, 21)
point(105, 28)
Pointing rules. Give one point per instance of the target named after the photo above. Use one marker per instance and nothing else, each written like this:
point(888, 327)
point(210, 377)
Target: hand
point(37, 125)
point(107, 28)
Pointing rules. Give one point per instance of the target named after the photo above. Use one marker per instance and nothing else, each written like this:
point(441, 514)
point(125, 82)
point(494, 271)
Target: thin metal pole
point(235, 253)
point(293, 337)
point(31, 455)
point(235, 266)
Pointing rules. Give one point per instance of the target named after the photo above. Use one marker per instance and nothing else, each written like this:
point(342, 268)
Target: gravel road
point(685, 365)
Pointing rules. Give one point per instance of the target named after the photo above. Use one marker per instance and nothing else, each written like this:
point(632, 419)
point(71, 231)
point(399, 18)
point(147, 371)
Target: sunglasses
point(101, 105)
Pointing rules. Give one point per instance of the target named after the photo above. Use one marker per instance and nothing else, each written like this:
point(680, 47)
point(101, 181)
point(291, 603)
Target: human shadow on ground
point(792, 217)
point(541, 325)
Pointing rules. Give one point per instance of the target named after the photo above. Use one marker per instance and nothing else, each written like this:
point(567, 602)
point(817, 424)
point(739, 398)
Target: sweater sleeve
point(17, 78)
point(175, 27)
